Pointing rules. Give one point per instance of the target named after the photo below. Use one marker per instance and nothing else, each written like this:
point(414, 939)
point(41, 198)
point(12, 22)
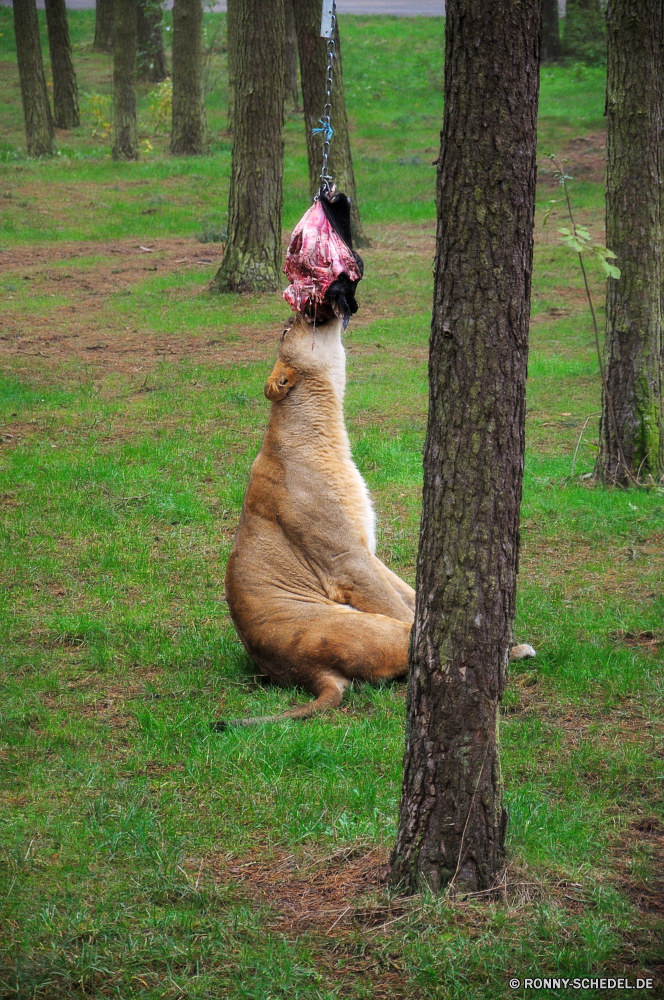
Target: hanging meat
point(321, 264)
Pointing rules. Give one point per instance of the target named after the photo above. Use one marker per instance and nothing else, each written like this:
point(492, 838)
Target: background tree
point(584, 31)
point(551, 49)
point(452, 817)
point(292, 90)
point(150, 54)
point(232, 9)
point(634, 354)
point(125, 134)
point(313, 63)
point(65, 89)
point(36, 109)
point(188, 132)
point(252, 258)
point(103, 40)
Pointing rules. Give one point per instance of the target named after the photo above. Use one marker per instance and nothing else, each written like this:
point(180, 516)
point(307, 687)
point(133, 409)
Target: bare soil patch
point(640, 859)
point(584, 158)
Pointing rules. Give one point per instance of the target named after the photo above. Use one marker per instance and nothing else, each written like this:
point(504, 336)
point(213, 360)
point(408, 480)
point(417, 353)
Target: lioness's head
point(311, 354)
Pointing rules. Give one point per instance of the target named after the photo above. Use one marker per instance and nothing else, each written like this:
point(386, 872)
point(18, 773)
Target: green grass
point(121, 481)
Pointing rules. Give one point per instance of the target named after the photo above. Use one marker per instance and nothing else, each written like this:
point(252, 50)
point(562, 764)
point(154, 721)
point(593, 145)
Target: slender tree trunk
point(151, 57)
point(313, 64)
point(188, 133)
point(125, 134)
point(452, 818)
point(634, 353)
point(551, 50)
point(584, 35)
point(103, 41)
point(291, 92)
point(252, 259)
point(65, 90)
point(36, 109)
point(232, 11)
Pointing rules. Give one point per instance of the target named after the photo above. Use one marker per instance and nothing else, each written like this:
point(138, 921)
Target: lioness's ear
point(280, 382)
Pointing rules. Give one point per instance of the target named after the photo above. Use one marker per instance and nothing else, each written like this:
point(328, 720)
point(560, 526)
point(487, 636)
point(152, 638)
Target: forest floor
point(141, 854)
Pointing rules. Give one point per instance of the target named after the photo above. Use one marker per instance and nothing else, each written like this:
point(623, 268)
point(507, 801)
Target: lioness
point(308, 596)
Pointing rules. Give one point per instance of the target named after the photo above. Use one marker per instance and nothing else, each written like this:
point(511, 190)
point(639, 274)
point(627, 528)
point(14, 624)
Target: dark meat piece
point(323, 268)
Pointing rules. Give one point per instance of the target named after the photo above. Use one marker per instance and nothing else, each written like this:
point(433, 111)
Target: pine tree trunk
point(252, 258)
point(65, 90)
point(103, 41)
point(550, 31)
point(36, 109)
point(150, 56)
point(232, 11)
point(291, 92)
point(188, 133)
point(584, 35)
point(452, 817)
point(125, 134)
point(634, 353)
point(313, 64)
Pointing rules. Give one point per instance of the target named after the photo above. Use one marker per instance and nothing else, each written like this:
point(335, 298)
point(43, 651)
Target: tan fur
point(310, 600)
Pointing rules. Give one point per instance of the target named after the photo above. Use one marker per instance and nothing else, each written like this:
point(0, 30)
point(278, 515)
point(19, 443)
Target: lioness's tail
point(330, 688)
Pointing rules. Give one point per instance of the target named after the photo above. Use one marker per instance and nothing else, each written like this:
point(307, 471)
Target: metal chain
point(326, 182)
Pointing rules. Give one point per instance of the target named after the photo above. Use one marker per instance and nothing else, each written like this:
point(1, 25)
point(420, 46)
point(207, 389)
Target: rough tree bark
point(36, 109)
point(252, 258)
point(452, 817)
point(150, 55)
point(584, 34)
point(313, 63)
point(551, 50)
point(103, 40)
point(291, 91)
point(65, 90)
point(634, 353)
point(125, 134)
point(188, 132)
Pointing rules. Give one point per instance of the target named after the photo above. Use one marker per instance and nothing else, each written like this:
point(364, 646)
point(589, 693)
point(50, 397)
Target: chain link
point(326, 182)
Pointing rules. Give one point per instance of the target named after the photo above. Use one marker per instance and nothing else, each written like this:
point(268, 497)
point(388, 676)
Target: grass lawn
point(142, 855)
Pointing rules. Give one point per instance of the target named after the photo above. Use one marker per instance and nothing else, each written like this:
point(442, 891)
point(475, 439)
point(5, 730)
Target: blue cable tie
point(326, 130)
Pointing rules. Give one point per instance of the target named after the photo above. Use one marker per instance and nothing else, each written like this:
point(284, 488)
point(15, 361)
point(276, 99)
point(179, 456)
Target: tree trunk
point(635, 171)
point(452, 818)
point(65, 90)
point(36, 109)
point(232, 10)
point(125, 134)
point(291, 91)
point(103, 41)
point(584, 36)
point(188, 133)
point(550, 31)
point(313, 64)
point(252, 259)
point(150, 56)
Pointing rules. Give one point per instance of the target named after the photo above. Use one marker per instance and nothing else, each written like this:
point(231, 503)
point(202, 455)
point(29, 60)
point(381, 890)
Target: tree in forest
point(125, 132)
point(584, 31)
point(36, 109)
point(634, 352)
point(551, 49)
point(232, 11)
point(103, 40)
point(188, 131)
point(452, 817)
point(292, 90)
point(252, 258)
point(150, 54)
point(65, 89)
point(313, 64)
